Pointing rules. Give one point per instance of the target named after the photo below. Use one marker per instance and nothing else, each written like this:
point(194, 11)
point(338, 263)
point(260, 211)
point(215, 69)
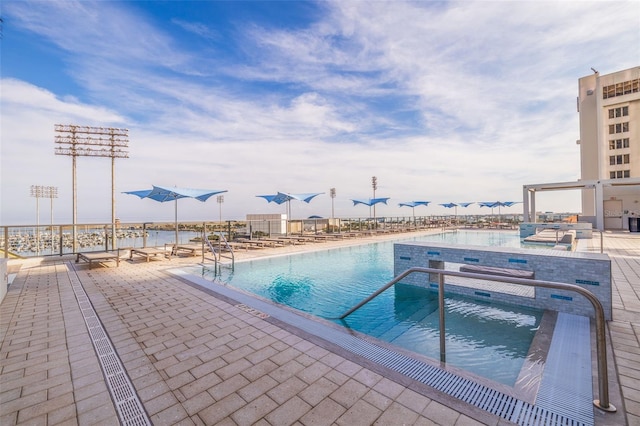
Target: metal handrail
point(229, 248)
point(211, 249)
point(601, 240)
point(601, 349)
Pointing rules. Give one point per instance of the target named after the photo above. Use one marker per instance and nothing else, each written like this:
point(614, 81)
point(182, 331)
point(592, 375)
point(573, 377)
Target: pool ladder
point(217, 251)
point(601, 349)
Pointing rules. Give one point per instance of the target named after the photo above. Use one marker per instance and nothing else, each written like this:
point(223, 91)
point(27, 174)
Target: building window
point(619, 174)
point(618, 128)
point(619, 159)
point(627, 87)
point(619, 112)
point(619, 143)
point(619, 89)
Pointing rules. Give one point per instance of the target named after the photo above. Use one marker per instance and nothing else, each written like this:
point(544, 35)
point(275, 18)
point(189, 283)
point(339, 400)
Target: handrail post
point(601, 241)
point(443, 349)
point(203, 236)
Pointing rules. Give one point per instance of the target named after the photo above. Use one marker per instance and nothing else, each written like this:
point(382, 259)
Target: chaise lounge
point(148, 252)
point(99, 257)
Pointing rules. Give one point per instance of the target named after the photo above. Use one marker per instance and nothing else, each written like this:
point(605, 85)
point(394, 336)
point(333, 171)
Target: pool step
point(418, 315)
point(393, 323)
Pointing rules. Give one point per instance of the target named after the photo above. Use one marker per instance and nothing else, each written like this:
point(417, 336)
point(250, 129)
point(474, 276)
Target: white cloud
point(441, 101)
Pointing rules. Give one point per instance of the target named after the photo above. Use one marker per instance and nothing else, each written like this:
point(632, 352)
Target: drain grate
point(490, 400)
point(130, 409)
point(483, 397)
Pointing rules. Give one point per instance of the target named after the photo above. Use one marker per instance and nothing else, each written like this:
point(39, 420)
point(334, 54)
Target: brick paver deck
point(197, 359)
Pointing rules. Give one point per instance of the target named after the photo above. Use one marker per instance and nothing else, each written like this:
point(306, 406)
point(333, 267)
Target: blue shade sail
point(371, 201)
point(492, 204)
point(163, 194)
point(283, 197)
point(414, 203)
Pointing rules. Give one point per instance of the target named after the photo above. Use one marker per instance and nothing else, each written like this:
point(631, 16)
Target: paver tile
point(326, 412)
point(361, 413)
point(287, 390)
point(289, 412)
point(222, 409)
point(440, 413)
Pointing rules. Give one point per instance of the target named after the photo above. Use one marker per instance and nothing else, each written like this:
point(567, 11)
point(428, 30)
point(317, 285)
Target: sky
point(440, 101)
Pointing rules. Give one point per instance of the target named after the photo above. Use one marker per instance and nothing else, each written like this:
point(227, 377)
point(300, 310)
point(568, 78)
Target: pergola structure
point(599, 188)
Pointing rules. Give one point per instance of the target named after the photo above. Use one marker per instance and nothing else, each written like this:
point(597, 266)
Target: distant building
point(266, 224)
point(609, 113)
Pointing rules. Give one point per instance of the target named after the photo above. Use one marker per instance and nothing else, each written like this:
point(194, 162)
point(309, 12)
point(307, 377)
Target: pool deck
point(195, 359)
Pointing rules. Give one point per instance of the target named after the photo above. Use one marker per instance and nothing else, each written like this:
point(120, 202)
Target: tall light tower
point(220, 200)
point(36, 191)
point(39, 191)
point(51, 192)
point(374, 184)
point(86, 141)
point(332, 193)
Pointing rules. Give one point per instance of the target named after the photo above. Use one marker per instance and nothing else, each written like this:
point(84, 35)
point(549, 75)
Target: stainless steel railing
point(601, 348)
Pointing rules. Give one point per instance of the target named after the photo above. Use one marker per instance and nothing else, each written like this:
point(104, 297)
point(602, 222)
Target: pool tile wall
point(583, 230)
point(588, 270)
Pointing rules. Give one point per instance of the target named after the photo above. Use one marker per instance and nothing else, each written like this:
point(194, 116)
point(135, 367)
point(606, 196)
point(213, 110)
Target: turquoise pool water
point(490, 340)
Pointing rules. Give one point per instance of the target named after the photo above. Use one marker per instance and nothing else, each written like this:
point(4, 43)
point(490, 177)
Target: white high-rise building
point(609, 111)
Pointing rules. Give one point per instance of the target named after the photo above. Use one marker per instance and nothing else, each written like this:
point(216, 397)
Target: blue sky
point(441, 101)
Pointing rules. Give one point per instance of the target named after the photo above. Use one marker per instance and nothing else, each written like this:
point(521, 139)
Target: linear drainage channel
point(130, 409)
point(478, 395)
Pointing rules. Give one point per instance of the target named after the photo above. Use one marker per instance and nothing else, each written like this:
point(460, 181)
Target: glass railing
point(61, 239)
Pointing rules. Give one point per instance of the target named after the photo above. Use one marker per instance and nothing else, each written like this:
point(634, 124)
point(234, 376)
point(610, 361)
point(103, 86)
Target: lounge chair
point(190, 249)
point(99, 257)
point(148, 252)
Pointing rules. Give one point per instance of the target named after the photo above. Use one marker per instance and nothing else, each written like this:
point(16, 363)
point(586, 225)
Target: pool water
point(490, 340)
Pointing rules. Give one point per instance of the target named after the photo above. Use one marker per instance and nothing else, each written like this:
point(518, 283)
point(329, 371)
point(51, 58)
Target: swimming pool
point(490, 340)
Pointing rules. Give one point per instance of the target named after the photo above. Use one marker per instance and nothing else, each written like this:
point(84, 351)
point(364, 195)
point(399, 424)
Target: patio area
point(187, 357)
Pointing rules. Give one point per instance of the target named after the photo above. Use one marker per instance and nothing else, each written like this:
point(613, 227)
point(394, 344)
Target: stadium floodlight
point(86, 141)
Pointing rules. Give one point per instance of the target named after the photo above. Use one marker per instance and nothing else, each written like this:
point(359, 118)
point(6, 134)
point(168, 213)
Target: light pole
point(220, 200)
point(374, 184)
point(39, 191)
point(51, 192)
point(85, 141)
point(332, 193)
point(36, 191)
